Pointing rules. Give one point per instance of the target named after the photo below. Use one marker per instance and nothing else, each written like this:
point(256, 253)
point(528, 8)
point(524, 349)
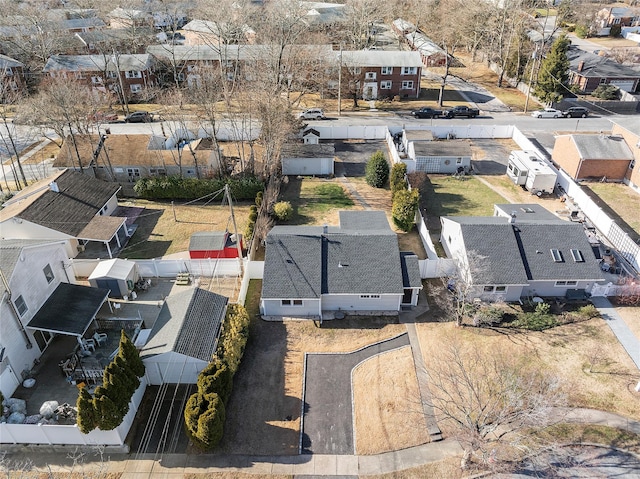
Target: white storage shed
point(308, 159)
point(118, 275)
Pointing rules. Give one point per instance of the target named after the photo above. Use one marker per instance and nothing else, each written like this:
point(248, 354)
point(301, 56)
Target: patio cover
point(69, 310)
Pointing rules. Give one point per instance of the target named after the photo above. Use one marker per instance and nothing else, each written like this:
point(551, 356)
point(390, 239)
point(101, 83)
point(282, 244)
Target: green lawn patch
point(312, 198)
point(252, 301)
point(442, 195)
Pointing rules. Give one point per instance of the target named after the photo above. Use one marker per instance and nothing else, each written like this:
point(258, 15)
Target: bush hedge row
point(204, 414)
point(174, 187)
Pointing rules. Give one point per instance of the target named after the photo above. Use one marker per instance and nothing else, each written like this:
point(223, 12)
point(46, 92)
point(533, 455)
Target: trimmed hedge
point(174, 187)
point(397, 179)
point(403, 211)
point(377, 170)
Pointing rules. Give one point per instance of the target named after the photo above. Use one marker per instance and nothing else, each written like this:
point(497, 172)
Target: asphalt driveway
point(355, 154)
point(328, 418)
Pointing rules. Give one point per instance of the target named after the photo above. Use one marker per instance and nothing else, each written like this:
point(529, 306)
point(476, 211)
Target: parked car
point(576, 112)
point(461, 111)
point(547, 113)
point(312, 114)
point(427, 112)
point(139, 117)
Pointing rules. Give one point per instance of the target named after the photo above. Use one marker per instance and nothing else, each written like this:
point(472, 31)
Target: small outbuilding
point(443, 156)
point(117, 275)
point(308, 159)
point(214, 244)
point(184, 338)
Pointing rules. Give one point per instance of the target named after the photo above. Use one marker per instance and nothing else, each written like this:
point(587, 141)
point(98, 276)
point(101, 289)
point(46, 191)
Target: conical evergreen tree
point(108, 415)
point(86, 419)
point(553, 77)
point(130, 354)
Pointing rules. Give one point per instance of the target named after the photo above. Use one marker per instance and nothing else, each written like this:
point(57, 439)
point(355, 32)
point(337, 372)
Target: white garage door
point(626, 85)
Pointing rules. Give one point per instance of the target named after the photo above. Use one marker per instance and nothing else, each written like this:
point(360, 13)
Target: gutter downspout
point(7, 297)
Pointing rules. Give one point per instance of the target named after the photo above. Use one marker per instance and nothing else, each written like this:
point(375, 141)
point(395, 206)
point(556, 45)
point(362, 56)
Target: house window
point(386, 70)
point(285, 302)
point(369, 296)
point(632, 164)
point(458, 161)
point(616, 21)
point(136, 88)
point(488, 289)
point(20, 305)
point(133, 74)
point(407, 85)
point(385, 85)
point(157, 172)
point(96, 79)
point(48, 273)
point(112, 75)
point(408, 70)
point(556, 255)
point(133, 172)
point(566, 283)
point(370, 76)
point(501, 289)
point(297, 302)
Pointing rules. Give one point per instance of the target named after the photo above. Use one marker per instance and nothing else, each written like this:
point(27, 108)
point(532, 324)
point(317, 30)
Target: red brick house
point(132, 73)
point(621, 15)
point(629, 129)
point(382, 74)
point(587, 71)
point(11, 76)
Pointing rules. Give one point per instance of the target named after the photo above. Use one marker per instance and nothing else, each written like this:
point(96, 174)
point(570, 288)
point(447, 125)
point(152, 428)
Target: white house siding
point(172, 368)
point(511, 293)
point(441, 164)
point(307, 166)
point(549, 288)
point(309, 308)
point(353, 303)
point(21, 229)
point(28, 280)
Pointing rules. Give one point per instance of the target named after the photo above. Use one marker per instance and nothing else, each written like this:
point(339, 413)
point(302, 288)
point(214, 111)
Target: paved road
point(328, 418)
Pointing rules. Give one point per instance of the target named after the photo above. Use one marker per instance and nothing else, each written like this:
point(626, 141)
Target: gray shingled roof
point(71, 209)
point(182, 53)
point(208, 241)
point(410, 270)
point(602, 147)
point(364, 221)
point(302, 262)
point(301, 150)
point(380, 58)
point(458, 148)
point(528, 213)
point(97, 63)
point(537, 241)
point(596, 66)
point(189, 323)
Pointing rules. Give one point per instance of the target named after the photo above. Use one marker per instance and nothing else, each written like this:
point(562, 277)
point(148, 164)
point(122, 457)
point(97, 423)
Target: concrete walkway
point(625, 336)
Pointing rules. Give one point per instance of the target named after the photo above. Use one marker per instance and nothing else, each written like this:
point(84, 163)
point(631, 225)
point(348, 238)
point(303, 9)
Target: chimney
point(580, 66)
point(512, 218)
point(325, 229)
point(53, 186)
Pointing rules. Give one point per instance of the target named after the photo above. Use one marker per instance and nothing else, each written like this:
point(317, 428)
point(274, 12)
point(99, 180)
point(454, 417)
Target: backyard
point(165, 229)
point(622, 200)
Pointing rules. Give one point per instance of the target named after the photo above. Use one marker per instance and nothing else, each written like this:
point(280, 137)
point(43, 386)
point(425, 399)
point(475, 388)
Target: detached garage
point(184, 337)
point(214, 244)
point(308, 159)
point(118, 275)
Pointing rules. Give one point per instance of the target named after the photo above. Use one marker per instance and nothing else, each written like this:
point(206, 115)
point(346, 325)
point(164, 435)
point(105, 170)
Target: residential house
point(382, 74)
point(402, 27)
point(12, 77)
point(69, 207)
point(131, 74)
point(620, 15)
point(521, 251)
point(214, 244)
point(127, 158)
point(39, 301)
point(593, 156)
point(587, 71)
point(629, 129)
point(76, 20)
point(204, 32)
point(324, 272)
point(307, 159)
point(105, 40)
point(184, 337)
point(430, 53)
point(129, 18)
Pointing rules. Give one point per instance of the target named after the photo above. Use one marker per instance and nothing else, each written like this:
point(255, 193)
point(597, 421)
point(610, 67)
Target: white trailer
point(527, 169)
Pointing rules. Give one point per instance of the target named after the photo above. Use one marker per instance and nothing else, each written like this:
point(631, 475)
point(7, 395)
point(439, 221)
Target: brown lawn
point(631, 316)
point(610, 42)
point(595, 370)
point(388, 415)
point(621, 199)
point(159, 233)
point(516, 194)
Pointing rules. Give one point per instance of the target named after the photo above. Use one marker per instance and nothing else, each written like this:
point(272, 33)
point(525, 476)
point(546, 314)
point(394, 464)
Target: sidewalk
point(626, 337)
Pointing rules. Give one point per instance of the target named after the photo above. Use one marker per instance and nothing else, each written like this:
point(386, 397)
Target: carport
point(70, 310)
point(106, 230)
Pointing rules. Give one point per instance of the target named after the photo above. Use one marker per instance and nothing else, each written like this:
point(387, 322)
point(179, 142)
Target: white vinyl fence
point(169, 268)
point(253, 270)
point(55, 434)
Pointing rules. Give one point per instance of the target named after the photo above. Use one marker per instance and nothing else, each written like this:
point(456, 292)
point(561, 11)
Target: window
point(632, 164)
point(48, 273)
point(136, 88)
point(133, 74)
point(133, 172)
point(385, 85)
point(576, 254)
point(572, 283)
point(369, 296)
point(501, 289)
point(285, 302)
point(370, 76)
point(566, 283)
point(79, 76)
point(386, 70)
point(408, 70)
point(157, 172)
point(407, 85)
point(20, 305)
point(297, 302)
point(357, 70)
point(291, 302)
point(488, 289)
point(112, 75)
point(458, 161)
point(556, 255)
point(96, 79)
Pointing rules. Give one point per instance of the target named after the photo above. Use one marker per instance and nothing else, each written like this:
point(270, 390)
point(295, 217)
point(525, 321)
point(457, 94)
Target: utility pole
point(533, 69)
point(340, 82)
point(235, 228)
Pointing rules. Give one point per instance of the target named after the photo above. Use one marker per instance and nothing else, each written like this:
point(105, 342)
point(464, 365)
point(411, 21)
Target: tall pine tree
point(553, 77)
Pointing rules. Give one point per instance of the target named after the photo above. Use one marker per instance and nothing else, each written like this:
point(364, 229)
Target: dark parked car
point(461, 111)
point(139, 117)
point(427, 113)
point(576, 112)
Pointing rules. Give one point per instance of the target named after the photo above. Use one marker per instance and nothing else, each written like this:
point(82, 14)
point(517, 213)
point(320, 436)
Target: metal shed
point(118, 275)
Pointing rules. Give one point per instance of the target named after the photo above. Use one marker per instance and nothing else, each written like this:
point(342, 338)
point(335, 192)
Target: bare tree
point(491, 400)
point(10, 97)
point(360, 17)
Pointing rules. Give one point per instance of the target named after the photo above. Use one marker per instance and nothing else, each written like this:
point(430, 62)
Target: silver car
point(547, 113)
point(312, 114)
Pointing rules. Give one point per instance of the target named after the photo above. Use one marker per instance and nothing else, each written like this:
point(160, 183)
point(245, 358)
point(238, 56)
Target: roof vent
point(512, 218)
point(53, 186)
point(342, 265)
